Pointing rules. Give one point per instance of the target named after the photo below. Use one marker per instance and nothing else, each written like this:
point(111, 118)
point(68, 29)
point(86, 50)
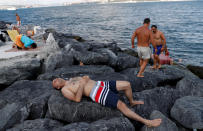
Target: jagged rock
point(113, 124)
point(37, 125)
point(166, 124)
point(34, 94)
point(197, 70)
point(188, 111)
point(18, 69)
point(61, 108)
point(11, 114)
point(168, 75)
point(74, 71)
point(57, 60)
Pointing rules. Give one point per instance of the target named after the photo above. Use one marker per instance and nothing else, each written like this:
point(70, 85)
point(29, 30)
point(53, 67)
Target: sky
point(25, 2)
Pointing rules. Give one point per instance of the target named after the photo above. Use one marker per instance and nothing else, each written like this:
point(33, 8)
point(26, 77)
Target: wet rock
point(197, 70)
point(11, 114)
point(166, 125)
point(168, 75)
point(34, 94)
point(61, 108)
point(37, 125)
point(114, 124)
point(18, 69)
point(188, 112)
point(74, 71)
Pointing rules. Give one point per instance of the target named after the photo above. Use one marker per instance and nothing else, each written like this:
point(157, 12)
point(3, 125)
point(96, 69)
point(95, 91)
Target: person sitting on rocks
point(103, 92)
point(24, 42)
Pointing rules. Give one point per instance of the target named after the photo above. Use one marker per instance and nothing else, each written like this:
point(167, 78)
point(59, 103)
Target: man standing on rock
point(160, 41)
point(103, 92)
point(144, 37)
point(18, 20)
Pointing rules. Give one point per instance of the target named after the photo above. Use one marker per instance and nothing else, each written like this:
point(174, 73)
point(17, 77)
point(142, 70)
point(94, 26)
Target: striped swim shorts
point(105, 93)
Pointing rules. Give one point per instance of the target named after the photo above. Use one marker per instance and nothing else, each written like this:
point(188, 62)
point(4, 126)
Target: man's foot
point(153, 67)
point(133, 103)
point(153, 123)
point(159, 66)
point(140, 76)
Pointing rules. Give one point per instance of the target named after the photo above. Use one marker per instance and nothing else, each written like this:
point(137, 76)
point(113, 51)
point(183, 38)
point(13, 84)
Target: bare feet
point(159, 66)
point(153, 123)
point(81, 64)
point(139, 75)
point(153, 67)
point(133, 103)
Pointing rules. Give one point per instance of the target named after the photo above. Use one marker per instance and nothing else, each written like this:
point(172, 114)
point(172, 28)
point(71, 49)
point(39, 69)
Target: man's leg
point(142, 68)
point(155, 61)
point(130, 114)
point(126, 87)
point(158, 61)
point(141, 62)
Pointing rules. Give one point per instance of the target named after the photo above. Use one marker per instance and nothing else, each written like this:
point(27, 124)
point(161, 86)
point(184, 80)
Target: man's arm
point(164, 41)
point(78, 95)
point(133, 38)
point(73, 96)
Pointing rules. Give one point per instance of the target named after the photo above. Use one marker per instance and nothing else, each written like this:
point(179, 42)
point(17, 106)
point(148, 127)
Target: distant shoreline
point(15, 7)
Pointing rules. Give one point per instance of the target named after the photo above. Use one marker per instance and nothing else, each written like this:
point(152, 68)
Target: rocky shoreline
point(28, 101)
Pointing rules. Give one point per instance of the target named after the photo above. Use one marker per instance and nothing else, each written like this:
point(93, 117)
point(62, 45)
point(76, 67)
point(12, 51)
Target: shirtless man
point(160, 42)
point(18, 20)
point(144, 36)
point(103, 92)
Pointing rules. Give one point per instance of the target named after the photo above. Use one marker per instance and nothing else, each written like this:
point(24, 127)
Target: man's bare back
point(143, 36)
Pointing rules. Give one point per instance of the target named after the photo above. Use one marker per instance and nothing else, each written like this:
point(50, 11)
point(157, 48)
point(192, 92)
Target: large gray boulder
point(61, 108)
point(188, 111)
point(18, 69)
point(107, 124)
point(37, 125)
point(168, 75)
point(73, 71)
point(11, 114)
point(190, 87)
point(34, 94)
point(125, 61)
point(159, 98)
point(166, 124)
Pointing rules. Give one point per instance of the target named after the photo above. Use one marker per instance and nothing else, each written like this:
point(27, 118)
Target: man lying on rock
point(103, 92)
point(24, 42)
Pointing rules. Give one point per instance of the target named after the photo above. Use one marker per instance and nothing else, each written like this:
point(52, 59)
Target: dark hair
point(34, 45)
point(154, 26)
point(146, 21)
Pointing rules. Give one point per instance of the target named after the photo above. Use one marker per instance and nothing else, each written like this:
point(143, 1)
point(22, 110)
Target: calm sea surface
point(181, 22)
